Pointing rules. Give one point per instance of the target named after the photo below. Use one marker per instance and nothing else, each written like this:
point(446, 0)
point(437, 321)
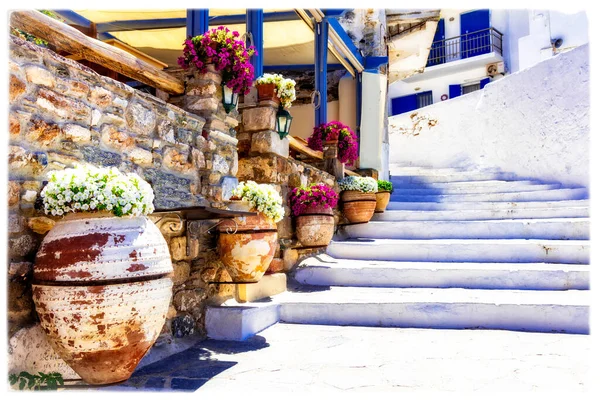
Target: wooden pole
point(63, 37)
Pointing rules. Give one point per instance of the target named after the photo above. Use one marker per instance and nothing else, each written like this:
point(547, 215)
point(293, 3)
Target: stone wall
point(63, 113)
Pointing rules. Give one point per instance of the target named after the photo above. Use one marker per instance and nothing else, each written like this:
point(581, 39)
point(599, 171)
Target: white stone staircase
point(455, 250)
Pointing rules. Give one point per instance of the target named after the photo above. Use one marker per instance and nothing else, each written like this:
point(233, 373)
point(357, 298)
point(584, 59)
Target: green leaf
point(12, 378)
point(22, 384)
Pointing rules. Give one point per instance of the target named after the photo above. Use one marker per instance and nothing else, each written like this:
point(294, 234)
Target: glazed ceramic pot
point(358, 207)
point(247, 246)
point(382, 200)
point(266, 91)
point(315, 226)
point(102, 293)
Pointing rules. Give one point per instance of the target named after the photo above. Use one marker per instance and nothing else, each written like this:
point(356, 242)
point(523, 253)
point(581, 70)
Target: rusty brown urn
point(358, 207)
point(382, 199)
point(266, 91)
point(247, 246)
point(102, 293)
point(315, 226)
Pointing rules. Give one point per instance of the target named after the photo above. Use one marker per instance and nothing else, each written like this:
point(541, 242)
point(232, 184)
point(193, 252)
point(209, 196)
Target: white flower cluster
point(286, 88)
point(361, 183)
point(263, 198)
point(89, 189)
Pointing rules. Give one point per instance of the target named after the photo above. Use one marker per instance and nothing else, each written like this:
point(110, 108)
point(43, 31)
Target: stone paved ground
point(313, 358)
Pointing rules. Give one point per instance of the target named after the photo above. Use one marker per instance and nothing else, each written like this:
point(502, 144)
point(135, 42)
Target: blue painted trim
point(321, 39)
point(196, 22)
point(254, 25)
point(240, 18)
point(333, 12)
point(358, 103)
point(483, 82)
point(72, 18)
point(455, 91)
point(375, 62)
point(300, 67)
point(335, 25)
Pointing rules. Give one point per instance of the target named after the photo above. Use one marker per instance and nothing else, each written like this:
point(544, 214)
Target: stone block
point(119, 103)
point(140, 119)
point(77, 89)
point(116, 139)
point(183, 325)
point(228, 183)
point(215, 124)
point(285, 229)
point(166, 131)
point(96, 116)
point(140, 156)
point(206, 89)
point(63, 107)
point(178, 249)
point(188, 300)
point(77, 133)
point(177, 161)
point(204, 107)
point(290, 258)
point(270, 142)
point(259, 119)
point(16, 88)
point(268, 286)
point(100, 97)
point(20, 269)
point(181, 272)
point(40, 225)
point(43, 134)
point(39, 76)
point(94, 155)
point(14, 193)
point(30, 351)
point(14, 126)
point(22, 162)
point(22, 246)
point(198, 158)
point(16, 224)
point(219, 164)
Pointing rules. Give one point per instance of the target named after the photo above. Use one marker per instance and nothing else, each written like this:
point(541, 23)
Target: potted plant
point(100, 276)
point(276, 88)
point(248, 244)
point(312, 207)
point(221, 49)
point(384, 190)
point(358, 197)
point(337, 135)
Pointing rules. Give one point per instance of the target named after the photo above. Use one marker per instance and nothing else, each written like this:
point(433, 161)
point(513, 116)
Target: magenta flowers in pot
point(345, 140)
point(312, 206)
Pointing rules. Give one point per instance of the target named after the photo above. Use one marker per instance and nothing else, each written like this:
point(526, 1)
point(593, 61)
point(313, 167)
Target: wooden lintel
point(63, 37)
point(301, 148)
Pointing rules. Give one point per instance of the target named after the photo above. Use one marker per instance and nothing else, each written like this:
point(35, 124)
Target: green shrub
point(384, 186)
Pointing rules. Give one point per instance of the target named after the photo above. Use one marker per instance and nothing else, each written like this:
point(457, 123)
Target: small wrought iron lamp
point(230, 99)
point(283, 122)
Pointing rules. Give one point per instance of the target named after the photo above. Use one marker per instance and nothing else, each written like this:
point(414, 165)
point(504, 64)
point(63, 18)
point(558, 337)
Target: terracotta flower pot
point(382, 198)
point(315, 226)
point(247, 246)
point(266, 91)
point(102, 293)
point(358, 207)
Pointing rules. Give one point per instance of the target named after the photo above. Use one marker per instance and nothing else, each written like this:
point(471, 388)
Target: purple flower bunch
point(222, 48)
point(315, 195)
point(335, 130)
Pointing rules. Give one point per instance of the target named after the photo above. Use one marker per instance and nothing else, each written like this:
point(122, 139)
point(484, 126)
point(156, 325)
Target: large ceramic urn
point(357, 206)
point(102, 293)
point(382, 200)
point(315, 226)
point(247, 245)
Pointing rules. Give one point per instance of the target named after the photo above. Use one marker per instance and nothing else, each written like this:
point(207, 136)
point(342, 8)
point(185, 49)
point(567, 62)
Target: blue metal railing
point(465, 46)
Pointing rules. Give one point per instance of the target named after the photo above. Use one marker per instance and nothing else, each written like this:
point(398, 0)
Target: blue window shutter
point(404, 104)
point(484, 82)
point(455, 91)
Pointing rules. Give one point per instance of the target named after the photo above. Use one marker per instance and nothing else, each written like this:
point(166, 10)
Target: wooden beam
point(69, 39)
point(302, 148)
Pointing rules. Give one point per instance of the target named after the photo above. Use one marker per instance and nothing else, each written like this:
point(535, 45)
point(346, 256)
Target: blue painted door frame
point(474, 40)
point(437, 54)
point(254, 25)
point(321, 37)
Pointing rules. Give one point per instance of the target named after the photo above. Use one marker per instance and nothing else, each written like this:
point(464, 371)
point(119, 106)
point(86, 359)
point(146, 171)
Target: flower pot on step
point(382, 199)
point(315, 226)
point(102, 293)
point(266, 91)
point(247, 246)
point(358, 207)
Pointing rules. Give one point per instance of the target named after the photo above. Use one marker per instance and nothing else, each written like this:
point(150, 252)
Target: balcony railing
point(465, 46)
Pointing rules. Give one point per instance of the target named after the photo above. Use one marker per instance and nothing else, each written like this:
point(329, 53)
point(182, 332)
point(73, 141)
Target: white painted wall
point(374, 95)
point(534, 123)
point(526, 42)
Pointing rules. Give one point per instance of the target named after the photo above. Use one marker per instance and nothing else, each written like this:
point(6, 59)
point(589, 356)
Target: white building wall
point(534, 123)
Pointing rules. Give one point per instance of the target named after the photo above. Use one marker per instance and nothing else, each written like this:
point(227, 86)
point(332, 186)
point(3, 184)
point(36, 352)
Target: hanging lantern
point(283, 122)
point(230, 99)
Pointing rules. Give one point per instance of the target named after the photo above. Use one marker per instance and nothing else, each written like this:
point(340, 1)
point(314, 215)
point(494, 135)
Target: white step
point(464, 250)
point(557, 228)
point(426, 190)
point(543, 195)
point(418, 171)
point(523, 310)
point(323, 270)
point(466, 184)
point(239, 321)
point(450, 177)
point(485, 205)
point(475, 215)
